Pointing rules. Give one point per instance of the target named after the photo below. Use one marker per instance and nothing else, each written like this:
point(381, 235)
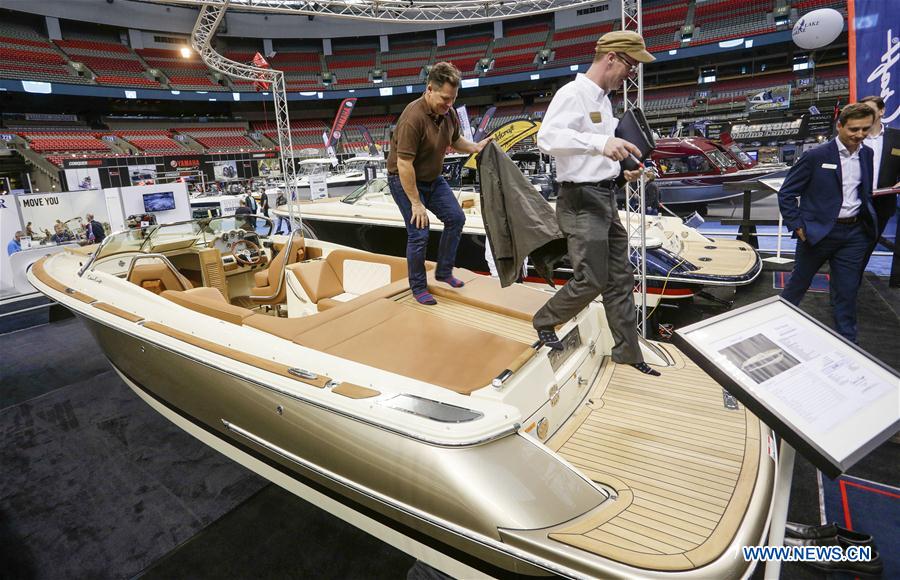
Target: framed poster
point(825, 396)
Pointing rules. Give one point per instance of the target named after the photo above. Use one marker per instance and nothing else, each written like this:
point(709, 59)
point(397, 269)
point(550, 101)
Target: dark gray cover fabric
point(517, 220)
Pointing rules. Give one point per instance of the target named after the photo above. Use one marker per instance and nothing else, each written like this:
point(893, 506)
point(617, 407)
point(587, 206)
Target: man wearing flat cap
point(579, 131)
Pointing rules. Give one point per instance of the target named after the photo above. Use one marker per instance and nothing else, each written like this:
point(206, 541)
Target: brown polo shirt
point(424, 138)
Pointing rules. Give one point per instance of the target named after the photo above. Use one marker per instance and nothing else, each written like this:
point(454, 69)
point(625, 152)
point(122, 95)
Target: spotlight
point(185, 52)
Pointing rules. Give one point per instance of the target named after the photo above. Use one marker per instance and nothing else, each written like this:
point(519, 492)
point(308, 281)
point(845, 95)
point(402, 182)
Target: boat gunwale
point(497, 434)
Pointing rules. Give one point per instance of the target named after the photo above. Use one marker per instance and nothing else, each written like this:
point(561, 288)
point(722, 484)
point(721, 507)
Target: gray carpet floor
point(95, 483)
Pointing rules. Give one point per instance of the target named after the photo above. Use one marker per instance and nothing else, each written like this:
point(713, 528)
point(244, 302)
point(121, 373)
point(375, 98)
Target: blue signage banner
point(874, 54)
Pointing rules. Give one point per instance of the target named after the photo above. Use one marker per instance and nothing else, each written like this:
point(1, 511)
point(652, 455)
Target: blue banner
point(874, 55)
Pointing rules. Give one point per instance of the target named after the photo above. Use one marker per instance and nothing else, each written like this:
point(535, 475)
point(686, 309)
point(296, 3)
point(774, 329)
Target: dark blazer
point(888, 175)
point(97, 230)
point(820, 192)
point(518, 221)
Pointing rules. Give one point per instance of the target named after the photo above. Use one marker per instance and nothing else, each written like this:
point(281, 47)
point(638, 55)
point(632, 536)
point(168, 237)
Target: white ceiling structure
point(396, 10)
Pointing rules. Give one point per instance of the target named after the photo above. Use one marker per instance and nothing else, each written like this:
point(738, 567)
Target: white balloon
point(818, 28)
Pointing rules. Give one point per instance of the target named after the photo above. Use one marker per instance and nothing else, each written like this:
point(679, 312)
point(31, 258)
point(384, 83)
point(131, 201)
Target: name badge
point(895, 151)
point(829, 166)
point(596, 117)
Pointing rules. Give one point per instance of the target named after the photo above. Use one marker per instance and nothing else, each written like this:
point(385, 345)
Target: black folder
point(633, 127)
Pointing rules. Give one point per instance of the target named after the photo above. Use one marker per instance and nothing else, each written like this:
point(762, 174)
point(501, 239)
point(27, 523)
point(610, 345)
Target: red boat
point(694, 170)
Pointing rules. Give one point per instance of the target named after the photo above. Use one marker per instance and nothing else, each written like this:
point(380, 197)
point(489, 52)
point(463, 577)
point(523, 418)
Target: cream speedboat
point(680, 260)
point(442, 429)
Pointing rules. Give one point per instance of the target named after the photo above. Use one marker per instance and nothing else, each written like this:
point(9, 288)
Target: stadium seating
point(42, 142)
point(406, 61)
point(150, 140)
point(517, 50)
point(717, 20)
point(26, 54)
point(576, 45)
point(464, 52)
point(661, 22)
point(182, 73)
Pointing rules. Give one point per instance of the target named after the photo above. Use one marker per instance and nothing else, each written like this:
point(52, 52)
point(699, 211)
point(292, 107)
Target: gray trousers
point(598, 250)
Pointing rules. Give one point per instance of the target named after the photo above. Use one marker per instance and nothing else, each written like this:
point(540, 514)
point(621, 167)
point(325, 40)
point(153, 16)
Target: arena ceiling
point(395, 10)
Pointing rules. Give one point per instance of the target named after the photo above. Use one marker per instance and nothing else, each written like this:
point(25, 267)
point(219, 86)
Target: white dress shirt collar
point(590, 87)
point(851, 178)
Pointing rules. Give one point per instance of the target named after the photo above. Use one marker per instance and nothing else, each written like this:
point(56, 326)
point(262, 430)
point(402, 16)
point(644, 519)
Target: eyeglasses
point(632, 66)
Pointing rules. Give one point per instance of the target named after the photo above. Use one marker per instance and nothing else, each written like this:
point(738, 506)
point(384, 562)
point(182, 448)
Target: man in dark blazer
point(885, 142)
point(834, 220)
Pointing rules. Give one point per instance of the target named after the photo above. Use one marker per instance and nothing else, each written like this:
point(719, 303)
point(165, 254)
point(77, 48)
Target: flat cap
point(625, 42)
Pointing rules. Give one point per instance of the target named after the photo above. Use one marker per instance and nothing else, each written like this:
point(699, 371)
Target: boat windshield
point(178, 236)
point(379, 185)
point(720, 159)
point(745, 159)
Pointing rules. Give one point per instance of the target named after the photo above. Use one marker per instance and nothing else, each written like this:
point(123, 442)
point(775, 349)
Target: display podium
point(821, 394)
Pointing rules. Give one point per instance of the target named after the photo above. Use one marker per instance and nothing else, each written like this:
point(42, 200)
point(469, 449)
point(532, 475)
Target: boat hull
point(703, 190)
point(372, 471)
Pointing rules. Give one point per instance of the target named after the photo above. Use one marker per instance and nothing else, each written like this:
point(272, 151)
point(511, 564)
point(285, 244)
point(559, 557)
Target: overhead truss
point(201, 40)
point(396, 10)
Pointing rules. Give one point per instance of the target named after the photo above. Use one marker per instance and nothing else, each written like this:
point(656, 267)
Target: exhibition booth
point(49, 222)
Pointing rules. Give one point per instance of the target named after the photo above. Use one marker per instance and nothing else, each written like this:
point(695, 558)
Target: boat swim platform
point(683, 466)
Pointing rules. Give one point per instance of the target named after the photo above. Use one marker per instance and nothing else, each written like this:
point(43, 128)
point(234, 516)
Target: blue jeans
point(438, 198)
point(286, 222)
point(846, 248)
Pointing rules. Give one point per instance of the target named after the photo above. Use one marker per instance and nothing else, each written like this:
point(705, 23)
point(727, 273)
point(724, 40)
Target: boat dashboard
point(239, 246)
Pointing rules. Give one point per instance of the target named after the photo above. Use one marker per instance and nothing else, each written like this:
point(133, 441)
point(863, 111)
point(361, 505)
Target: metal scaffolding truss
point(633, 96)
point(397, 10)
point(201, 37)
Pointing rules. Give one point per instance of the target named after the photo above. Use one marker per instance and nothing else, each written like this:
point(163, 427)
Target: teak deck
point(682, 464)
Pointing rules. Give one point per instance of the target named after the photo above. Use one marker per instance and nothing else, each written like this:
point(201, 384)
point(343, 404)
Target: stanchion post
point(777, 259)
point(780, 505)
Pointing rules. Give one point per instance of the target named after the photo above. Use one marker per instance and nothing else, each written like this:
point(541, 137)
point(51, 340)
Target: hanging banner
point(464, 124)
point(259, 61)
point(510, 134)
point(329, 150)
point(370, 143)
point(343, 114)
point(773, 98)
point(874, 54)
point(483, 123)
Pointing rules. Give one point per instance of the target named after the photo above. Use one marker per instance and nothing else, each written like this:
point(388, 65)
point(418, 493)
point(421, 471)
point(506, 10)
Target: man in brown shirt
point(424, 130)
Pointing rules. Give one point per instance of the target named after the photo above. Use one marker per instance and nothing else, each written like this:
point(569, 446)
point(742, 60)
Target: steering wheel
point(244, 250)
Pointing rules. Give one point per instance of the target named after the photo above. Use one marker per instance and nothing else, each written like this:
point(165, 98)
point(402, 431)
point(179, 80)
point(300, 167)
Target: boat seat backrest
point(209, 301)
point(286, 257)
point(353, 267)
point(348, 272)
point(157, 278)
point(318, 279)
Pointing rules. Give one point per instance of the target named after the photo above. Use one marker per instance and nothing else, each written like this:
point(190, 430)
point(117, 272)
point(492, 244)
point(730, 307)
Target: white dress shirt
point(851, 178)
point(575, 129)
point(875, 144)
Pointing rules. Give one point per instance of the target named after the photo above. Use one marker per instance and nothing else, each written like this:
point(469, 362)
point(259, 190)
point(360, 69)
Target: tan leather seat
point(157, 278)
point(485, 292)
point(345, 275)
point(209, 301)
point(269, 289)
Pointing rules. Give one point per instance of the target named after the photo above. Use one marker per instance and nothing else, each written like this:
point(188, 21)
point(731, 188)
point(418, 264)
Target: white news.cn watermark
point(807, 553)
